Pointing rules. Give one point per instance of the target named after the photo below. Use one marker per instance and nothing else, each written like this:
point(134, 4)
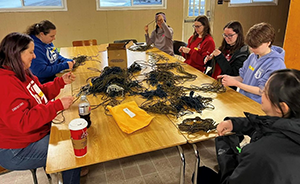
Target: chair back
point(84, 42)
point(2, 170)
point(125, 41)
point(176, 45)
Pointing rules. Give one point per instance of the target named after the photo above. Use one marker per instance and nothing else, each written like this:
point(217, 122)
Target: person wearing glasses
point(200, 44)
point(265, 59)
point(230, 56)
point(48, 61)
point(162, 36)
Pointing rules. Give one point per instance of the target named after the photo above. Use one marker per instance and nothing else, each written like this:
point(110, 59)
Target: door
point(193, 8)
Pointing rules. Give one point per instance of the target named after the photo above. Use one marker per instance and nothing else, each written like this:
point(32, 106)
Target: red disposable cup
point(78, 129)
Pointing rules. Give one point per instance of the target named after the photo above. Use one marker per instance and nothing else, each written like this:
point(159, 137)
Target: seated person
point(48, 61)
point(272, 156)
point(26, 109)
point(162, 36)
point(229, 58)
point(200, 44)
point(260, 64)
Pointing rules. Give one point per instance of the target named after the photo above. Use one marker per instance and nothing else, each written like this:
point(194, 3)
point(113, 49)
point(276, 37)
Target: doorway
point(192, 9)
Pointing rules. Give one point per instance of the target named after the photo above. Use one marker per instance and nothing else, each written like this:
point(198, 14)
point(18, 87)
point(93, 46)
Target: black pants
point(206, 176)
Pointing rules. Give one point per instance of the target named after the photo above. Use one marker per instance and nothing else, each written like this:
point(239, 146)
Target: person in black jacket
point(272, 156)
point(229, 58)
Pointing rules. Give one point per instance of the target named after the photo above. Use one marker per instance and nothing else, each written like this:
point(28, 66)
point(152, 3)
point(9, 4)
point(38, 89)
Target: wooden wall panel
point(250, 15)
point(83, 22)
point(292, 36)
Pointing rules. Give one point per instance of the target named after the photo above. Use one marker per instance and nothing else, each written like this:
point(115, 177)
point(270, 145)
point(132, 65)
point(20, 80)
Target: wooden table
point(107, 142)
point(228, 104)
point(105, 139)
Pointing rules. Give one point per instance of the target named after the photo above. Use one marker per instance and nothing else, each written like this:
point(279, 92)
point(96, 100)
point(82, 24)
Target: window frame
point(274, 3)
point(63, 7)
point(133, 7)
point(199, 6)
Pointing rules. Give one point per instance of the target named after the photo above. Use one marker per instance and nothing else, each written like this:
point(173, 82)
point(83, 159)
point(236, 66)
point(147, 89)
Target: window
point(196, 8)
point(32, 5)
point(252, 2)
point(130, 4)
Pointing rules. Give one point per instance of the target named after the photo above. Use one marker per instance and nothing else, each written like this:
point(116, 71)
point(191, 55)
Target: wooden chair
point(125, 41)
point(84, 42)
point(176, 45)
point(2, 170)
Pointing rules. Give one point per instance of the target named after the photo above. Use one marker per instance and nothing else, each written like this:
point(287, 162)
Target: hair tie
point(163, 15)
point(37, 25)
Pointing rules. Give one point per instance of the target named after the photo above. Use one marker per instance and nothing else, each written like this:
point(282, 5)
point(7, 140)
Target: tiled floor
point(156, 167)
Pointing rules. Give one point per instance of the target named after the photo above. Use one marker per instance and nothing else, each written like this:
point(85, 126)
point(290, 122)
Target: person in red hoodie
point(200, 44)
point(27, 108)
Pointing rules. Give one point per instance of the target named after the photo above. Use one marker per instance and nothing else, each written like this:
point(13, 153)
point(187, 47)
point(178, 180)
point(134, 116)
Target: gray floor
point(156, 167)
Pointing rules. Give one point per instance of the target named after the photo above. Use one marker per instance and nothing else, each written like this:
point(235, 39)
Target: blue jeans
point(32, 157)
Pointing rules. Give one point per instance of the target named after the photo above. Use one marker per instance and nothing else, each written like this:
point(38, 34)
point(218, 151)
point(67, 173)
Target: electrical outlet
point(278, 30)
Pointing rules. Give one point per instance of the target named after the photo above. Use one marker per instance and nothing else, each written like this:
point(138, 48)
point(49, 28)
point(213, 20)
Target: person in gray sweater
point(162, 36)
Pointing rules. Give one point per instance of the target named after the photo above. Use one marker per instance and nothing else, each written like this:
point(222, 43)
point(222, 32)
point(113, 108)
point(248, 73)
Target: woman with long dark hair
point(27, 108)
point(200, 44)
point(230, 56)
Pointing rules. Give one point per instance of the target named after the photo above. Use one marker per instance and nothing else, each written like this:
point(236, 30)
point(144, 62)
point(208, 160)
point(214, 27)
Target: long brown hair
point(11, 48)
point(206, 31)
point(240, 41)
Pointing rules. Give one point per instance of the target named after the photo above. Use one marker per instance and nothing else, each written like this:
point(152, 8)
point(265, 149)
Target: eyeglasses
point(228, 36)
point(194, 26)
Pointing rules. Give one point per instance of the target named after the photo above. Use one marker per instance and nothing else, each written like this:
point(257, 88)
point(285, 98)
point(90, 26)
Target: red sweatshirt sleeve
point(199, 50)
point(20, 110)
point(51, 89)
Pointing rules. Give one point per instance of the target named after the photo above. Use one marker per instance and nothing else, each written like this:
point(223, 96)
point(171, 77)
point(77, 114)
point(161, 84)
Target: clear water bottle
point(84, 109)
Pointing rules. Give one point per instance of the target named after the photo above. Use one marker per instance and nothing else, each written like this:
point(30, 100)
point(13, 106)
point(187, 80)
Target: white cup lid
point(78, 124)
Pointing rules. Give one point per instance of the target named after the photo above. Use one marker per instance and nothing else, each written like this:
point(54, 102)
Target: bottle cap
point(83, 97)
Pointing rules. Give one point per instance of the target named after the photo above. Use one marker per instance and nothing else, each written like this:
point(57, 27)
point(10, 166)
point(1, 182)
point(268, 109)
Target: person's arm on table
point(238, 82)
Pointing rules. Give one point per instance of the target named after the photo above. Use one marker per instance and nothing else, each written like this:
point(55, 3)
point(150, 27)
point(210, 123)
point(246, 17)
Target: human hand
point(185, 50)
point(68, 77)
point(224, 127)
point(228, 80)
point(159, 20)
point(67, 101)
point(71, 64)
point(216, 52)
point(146, 29)
point(180, 49)
point(207, 58)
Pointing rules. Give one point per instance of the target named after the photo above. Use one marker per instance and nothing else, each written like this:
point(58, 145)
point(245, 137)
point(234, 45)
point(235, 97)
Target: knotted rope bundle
point(192, 125)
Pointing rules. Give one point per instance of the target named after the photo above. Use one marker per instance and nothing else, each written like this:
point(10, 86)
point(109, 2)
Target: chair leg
point(48, 175)
point(33, 172)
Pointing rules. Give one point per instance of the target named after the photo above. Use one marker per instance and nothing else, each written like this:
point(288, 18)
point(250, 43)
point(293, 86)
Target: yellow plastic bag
point(130, 117)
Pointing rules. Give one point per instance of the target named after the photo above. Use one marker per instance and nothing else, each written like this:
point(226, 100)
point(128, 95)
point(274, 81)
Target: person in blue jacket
point(264, 60)
point(48, 61)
